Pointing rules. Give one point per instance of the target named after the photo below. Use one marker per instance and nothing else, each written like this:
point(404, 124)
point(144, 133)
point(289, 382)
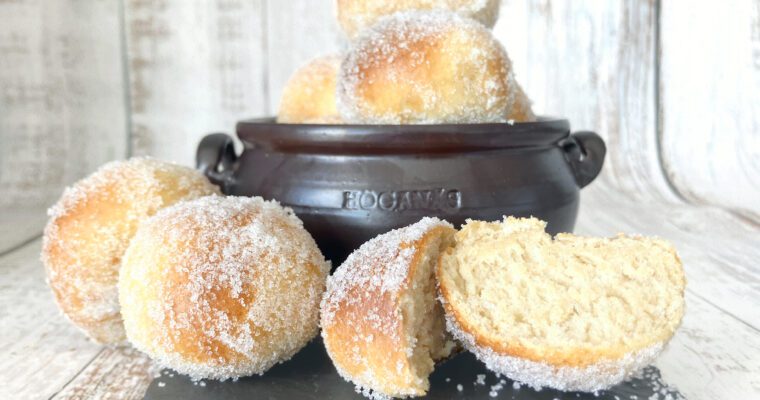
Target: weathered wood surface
point(61, 95)
point(194, 68)
point(710, 101)
point(19, 226)
point(593, 63)
point(40, 351)
point(122, 373)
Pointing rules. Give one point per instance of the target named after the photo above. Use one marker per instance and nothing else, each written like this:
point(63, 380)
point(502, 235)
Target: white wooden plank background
point(194, 68)
point(61, 95)
point(710, 101)
point(673, 88)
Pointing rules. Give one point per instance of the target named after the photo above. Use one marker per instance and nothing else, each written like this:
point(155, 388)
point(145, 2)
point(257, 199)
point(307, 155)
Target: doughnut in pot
point(222, 287)
point(309, 95)
point(90, 228)
point(381, 323)
point(357, 15)
point(426, 68)
point(571, 313)
point(521, 110)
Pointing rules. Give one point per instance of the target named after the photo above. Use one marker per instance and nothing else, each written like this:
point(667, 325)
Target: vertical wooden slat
point(594, 63)
point(298, 30)
point(710, 104)
point(62, 99)
point(194, 67)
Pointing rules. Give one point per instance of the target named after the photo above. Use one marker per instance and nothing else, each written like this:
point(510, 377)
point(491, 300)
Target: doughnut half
point(381, 323)
point(571, 313)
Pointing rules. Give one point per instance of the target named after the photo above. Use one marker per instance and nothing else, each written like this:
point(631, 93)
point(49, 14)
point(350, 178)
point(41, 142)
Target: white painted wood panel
point(712, 356)
point(298, 30)
point(122, 373)
point(710, 101)
point(593, 63)
point(20, 225)
point(62, 99)
point(194, 67)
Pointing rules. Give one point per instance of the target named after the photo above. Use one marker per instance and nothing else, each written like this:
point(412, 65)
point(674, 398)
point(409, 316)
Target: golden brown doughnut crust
point(426, 68)
point(361, 318)
point(90, 228)
point(222, 287)
point(309, 95)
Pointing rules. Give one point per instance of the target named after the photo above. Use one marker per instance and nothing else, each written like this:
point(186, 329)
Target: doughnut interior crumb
point(573, 313)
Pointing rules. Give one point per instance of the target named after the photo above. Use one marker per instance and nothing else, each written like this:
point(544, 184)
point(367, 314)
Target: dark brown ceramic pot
point(349, 183)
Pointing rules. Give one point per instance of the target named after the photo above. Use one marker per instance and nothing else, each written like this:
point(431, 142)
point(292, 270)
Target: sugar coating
point(89, 229)
point(380, 266)
point(356, 15)
point(222, 287)
point(426, 68)
point(309, 95)
point(598, 376)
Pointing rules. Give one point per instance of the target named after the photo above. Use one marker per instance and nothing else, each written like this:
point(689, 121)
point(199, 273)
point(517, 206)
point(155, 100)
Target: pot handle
point(216, 158)
point(585, 152)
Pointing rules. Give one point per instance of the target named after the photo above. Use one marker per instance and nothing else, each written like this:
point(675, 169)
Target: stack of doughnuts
point(150, 253)
point(410, 62)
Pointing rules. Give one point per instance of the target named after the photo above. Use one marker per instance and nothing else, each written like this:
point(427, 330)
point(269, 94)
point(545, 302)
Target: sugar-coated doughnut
point(426, 68)
point(571, 313)
point(309, 95)
point(381, 323)
point(357, 15)
point(89, 230)
point(222, 287)
point(521, 110)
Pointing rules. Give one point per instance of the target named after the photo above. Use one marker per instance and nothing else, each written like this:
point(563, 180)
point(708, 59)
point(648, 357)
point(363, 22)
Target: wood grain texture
point(593, 63)
point(40, 351)
point(62, 99)
point(710, 101)
point(122, 373)
point(194, 68)
point(712, 356)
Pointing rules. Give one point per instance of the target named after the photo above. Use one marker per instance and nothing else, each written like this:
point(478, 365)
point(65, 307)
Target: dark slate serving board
point(310, 375)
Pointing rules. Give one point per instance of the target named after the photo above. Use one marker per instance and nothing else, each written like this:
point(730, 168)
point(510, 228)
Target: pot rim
point(343, 138)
